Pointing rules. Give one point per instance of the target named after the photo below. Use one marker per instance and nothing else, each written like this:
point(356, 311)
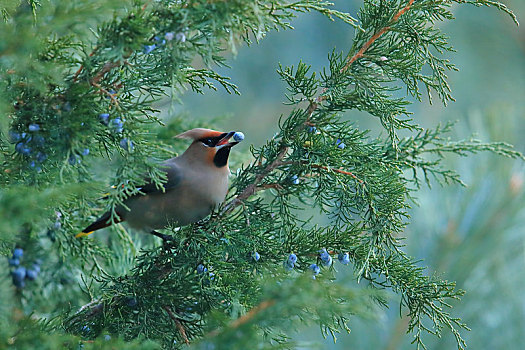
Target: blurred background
point(473, 235)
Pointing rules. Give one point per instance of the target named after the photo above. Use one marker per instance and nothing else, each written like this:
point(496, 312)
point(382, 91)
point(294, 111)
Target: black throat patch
point(221, 157)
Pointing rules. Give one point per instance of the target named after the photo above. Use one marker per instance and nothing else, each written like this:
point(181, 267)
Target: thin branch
point(374, 37)
point(247, 316)
point(179, 325)
point(75, 77)
point(106, 92)
point(108, 66)
point(252, 313)
point(337, 171)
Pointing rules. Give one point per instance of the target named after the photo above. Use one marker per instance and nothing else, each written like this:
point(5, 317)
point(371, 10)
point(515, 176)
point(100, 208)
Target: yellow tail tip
point(83, 234)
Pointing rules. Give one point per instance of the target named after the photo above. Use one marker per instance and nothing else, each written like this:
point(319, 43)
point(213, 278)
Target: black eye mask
point(212, 141)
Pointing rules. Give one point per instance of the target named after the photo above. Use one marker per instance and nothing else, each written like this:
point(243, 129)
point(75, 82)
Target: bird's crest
point(198, 134)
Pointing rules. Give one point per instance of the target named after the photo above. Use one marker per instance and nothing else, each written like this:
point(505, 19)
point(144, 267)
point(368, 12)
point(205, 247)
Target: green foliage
point(70, 99)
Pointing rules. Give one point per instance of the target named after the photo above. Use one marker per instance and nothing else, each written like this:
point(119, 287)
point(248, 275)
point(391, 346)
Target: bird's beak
point(224, 141)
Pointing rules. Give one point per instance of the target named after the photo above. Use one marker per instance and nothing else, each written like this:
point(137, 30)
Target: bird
point(197, 181)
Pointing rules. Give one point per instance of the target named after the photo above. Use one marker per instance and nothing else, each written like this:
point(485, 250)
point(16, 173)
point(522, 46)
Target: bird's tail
point(103, 221)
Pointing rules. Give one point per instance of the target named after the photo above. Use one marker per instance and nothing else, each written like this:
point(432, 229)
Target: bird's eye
point(208, 142)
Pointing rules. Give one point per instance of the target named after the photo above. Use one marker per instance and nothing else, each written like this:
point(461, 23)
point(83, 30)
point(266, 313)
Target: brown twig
point(247, 316)
point(106, 92)
point(75, 77)
point(337, 171)
point(179, 325)
point(108, 66)
point(374, 37)
point(252, 313)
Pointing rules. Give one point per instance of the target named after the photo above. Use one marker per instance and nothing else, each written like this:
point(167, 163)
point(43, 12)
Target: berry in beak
point(236, 135)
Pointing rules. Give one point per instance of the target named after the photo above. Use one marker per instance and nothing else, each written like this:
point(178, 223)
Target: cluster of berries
point(116, 126)
point(21, 273)
point(201, 269)
point(339, 143)
point(324, 256)
point(160, 41)
point(30, 144)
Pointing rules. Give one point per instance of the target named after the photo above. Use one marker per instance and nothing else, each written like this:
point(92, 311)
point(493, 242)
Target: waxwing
point(197, 181)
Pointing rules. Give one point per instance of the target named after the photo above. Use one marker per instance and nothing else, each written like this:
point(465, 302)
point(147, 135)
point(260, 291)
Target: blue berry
point(57, 225)
point(19, 147)
point(104, 118)
point(107, 337)
point(341, 145)
point(85, 151)
point(18, 253)
point(19, 273)
point(315, 269)
point(256, 256)
point(149, 48)
point(127, 144)
point(22, 148)
point(238, 136)
point(338, 141)
point(295, 179)
point(14, 136)
point(312, 129)
point(326, 259)
point(32, 164)
point(327, 262)
point(201, 268)
point(34, 127)
point(292, 258)
point(344, 258)
point(169, 36)
point(323, 254)
point(31, 274)
point(13, 261)
point(117, 125)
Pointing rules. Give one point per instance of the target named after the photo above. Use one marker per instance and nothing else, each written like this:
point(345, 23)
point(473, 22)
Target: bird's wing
point(174, 175)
